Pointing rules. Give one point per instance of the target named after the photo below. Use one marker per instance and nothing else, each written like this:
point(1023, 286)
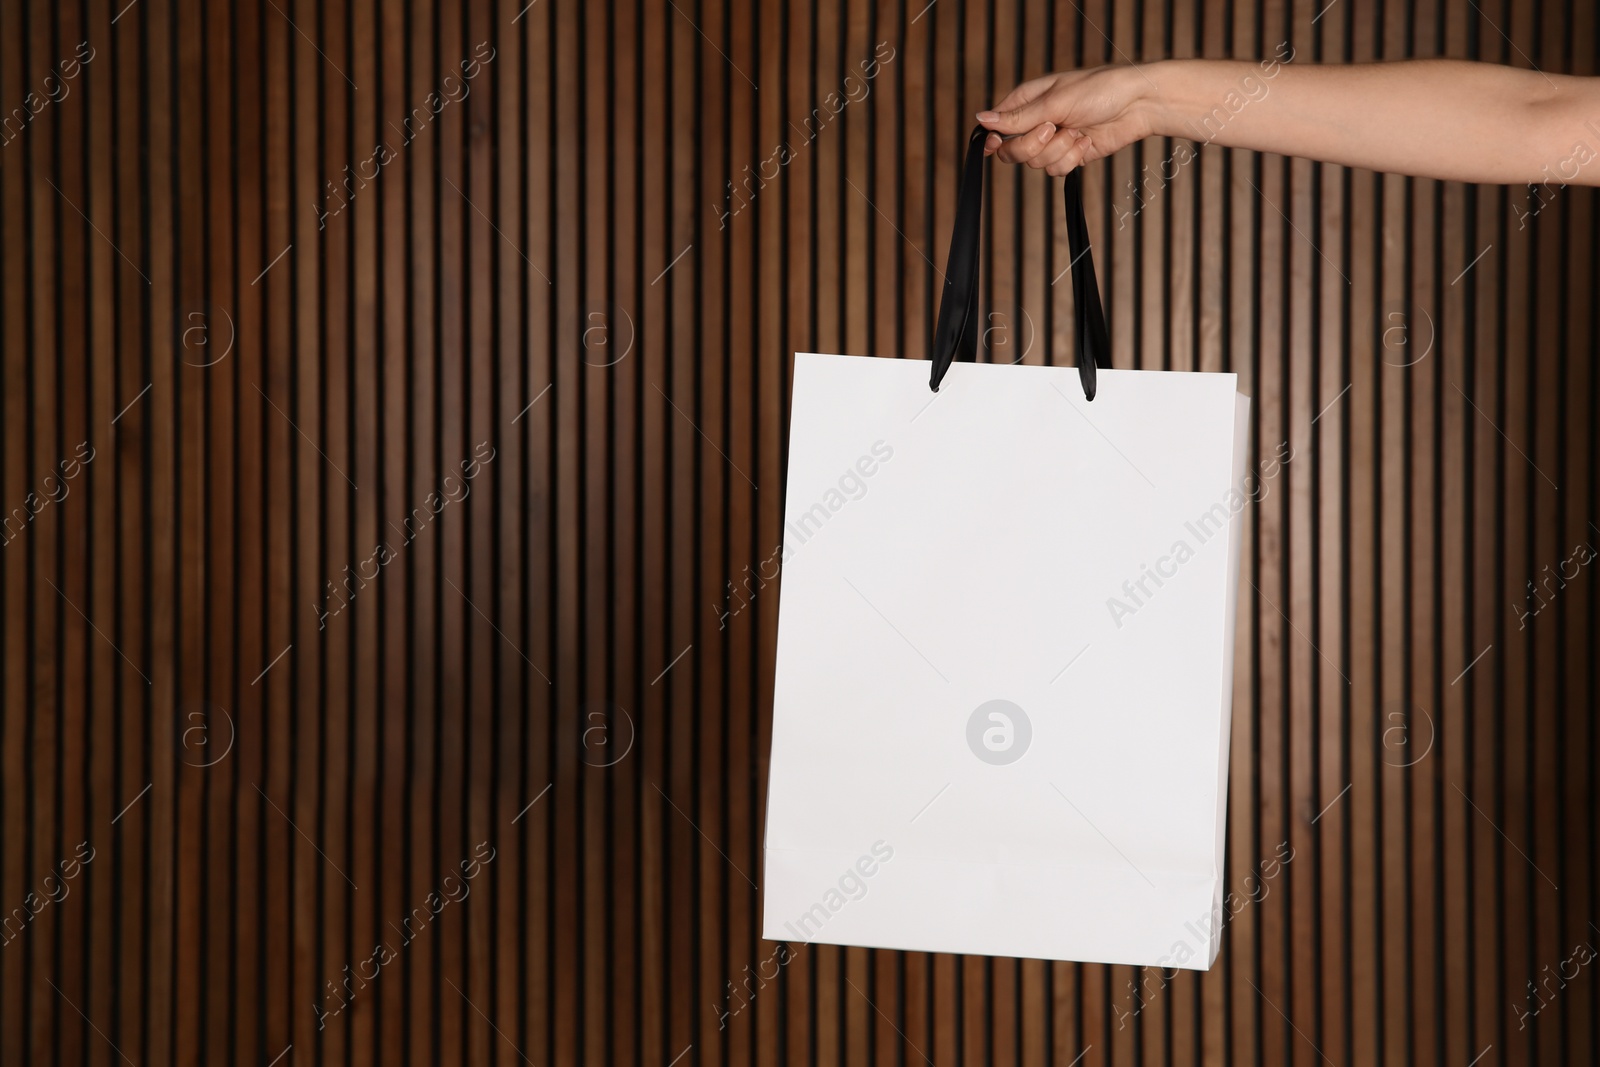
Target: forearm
point(1447, 119)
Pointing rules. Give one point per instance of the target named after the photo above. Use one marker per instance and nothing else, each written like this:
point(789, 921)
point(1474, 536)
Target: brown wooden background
point(544, 270)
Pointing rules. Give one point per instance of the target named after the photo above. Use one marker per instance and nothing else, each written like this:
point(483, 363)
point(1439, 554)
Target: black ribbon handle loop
point(956, 335)
point(1094, 343)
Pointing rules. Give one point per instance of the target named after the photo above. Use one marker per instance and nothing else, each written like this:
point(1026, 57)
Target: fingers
point(1064, 154)
point(1048, 149)
point(1024, 148)
point(1027, 107)
point(1025, 93)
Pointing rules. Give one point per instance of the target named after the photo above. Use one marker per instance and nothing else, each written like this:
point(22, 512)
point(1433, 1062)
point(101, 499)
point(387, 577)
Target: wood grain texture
point(394, 436)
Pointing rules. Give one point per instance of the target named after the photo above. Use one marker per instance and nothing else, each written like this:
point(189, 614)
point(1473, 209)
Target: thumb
point(1019, 119)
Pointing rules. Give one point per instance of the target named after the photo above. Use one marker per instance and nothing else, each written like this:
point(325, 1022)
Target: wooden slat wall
point(588, 266)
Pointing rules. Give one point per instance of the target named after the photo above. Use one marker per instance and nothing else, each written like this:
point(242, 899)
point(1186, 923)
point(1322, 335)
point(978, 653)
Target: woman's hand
point(1066, 120)
point(1431, 118)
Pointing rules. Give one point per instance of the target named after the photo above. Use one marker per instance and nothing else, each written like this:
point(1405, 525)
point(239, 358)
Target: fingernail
point(1049, 129)
point(987, 117)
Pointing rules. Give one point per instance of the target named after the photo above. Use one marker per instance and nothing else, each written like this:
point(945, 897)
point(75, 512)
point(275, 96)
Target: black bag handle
point(956, 335)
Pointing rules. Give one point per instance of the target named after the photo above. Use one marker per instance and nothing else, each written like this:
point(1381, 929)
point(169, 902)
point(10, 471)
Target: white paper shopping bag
point(1004, 664)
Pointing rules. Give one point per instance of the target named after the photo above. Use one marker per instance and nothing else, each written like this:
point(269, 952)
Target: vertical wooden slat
point(395, 342)
point(459, 682)
point(909, 36)
point(248, 144)
point(800, 225)
point(1419, 337)
point(769, 255)
point(503, 889)
point(661, 1035)
point(365, 755)
point(1360, 805)
point(1481, 386)
point(713, 489)
point(163, 621)
point(1308, 656)
point(303, 406)
point(479, 482)
point(272, 669)
point(1547, 447)
point(678, 393)
point(221, 618)
point(327, 766)
point(49, 609)
point(1209, 232)
point(833, 277)
point(592, 261)
point(72, 1037)
point(97, 492)
point(743, 552)
point(14, 184)
point(859, 208)
point(425, 1019)
point(192, 491)
point(614, 752)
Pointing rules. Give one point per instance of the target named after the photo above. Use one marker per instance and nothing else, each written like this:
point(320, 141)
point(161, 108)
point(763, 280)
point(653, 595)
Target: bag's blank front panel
point(982, 666)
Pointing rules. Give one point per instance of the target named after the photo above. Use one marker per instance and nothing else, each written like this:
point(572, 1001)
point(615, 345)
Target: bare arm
point(1432, 118)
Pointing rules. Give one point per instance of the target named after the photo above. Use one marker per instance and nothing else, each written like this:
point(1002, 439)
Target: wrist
point(1155, 89)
